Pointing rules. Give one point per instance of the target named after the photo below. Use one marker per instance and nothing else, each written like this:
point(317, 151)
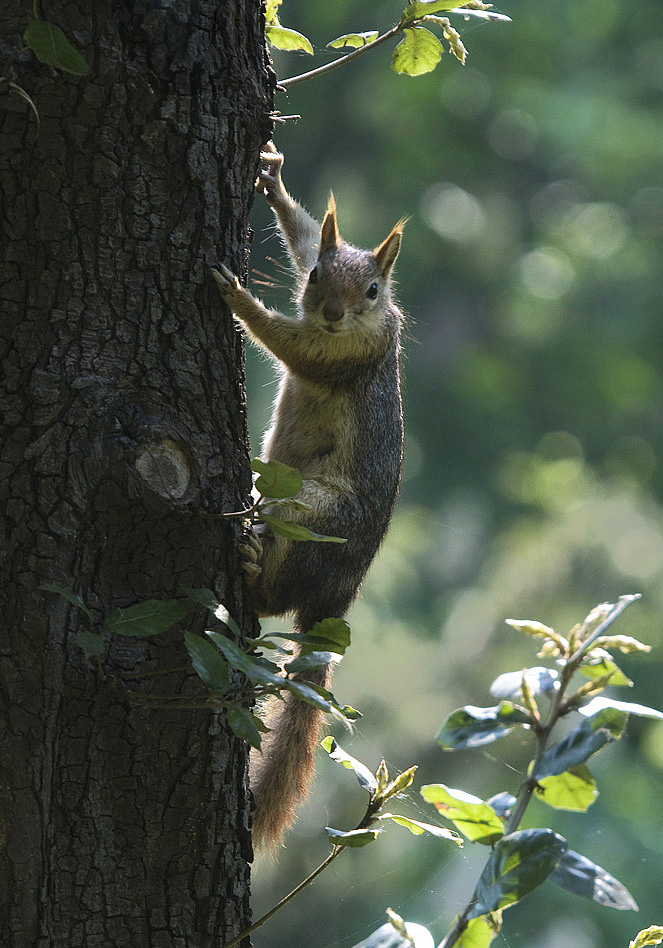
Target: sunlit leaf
point(580, 875)
point(600, 703)
point(417, 828)
point(518, 863)
point(584, 740)
point(648, 936)
point(476, 820)
point(146, 618)
point(479, 932)
point(418, 52)
point(473, 727)
point(255, 669)
point(311, 660)
point(353, 40)
point(204, 597)
point(283, 38)
point(599, 664)
point(420, 8)
point(366, 779)
point(575, 789)
point(539, 680)
point(353, 838)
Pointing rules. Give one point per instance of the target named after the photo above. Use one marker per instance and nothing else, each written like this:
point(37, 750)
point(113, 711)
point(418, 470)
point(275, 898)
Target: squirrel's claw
point(251, 552)
point(226, 280)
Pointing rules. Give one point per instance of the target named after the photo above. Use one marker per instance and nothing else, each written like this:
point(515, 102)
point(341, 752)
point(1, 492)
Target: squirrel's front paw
point(226, 281)
point(269, 181)
point(251, 552)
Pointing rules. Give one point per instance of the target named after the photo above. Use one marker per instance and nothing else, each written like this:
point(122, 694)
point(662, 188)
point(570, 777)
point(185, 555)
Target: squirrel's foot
point(251, 552)
point(268, 182)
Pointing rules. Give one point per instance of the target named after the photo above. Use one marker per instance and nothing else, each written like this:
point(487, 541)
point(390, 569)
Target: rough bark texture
point(122, 427)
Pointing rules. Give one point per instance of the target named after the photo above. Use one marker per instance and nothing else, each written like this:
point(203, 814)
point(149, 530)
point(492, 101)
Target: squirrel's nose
point(333, 310)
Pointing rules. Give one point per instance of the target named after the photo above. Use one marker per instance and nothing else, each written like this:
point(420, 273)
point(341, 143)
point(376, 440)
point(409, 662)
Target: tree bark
point(121, 822)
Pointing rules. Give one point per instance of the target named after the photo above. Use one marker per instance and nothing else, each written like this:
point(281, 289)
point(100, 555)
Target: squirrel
point(337, 419)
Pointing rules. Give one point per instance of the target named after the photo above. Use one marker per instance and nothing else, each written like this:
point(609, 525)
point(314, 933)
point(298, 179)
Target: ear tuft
point(329, 236)
point(387, 252)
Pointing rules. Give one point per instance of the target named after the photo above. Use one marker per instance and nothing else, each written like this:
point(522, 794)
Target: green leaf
point(296, 531)
point(276, 479)
point(311, 660)
point(146, 618)
point(584, 740)
point(245, 725)
point(600, 665)
point(582, 876)
point(419, 8)
point(208, 663)
point(418, 52)
point(366, 779)
point(600, 702)
point(354, 838)
point(518, 863)
point(575, 789)
point(255, 669)
point(539, 680)
point(222, 614)
point(472, 727)
point(92, 644)
point(399, 784)
point(648, 936)
point(478, 934)
point(476, 820)
point(51, 46)
point(71, 597)
point(417, 828)
point(353, 40)
point(204, 597)
point(283, 38)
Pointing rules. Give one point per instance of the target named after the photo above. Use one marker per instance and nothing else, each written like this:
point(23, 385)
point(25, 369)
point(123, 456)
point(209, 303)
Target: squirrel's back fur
point(338, 420)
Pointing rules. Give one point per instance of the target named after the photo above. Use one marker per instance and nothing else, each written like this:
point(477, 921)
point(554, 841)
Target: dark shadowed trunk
point(121, 823)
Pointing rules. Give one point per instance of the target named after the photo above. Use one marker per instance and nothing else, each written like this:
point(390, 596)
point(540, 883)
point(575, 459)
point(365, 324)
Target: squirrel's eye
point(372, 291)
point(313, 275)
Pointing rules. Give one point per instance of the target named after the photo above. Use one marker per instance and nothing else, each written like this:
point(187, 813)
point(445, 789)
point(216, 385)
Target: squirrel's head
point(348, 289)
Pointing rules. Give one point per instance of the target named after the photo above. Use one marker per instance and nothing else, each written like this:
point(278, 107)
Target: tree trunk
point(122, 822)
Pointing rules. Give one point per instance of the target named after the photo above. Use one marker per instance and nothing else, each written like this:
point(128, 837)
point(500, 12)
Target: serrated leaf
point(91, 643)
point(418, 52)
point(244, 725)
point(582, 876)
point(473, 727)
point(648, 936)
point(539, 680)
point(366, 779)
point(276, 479)
point(353, 40)
point(208, 663)
point(297, 531)
point(51, 46)
point(146, 618)
point(472, 817)
point(283, 38)
point(417, 828)
point(71, 597)
point(518, 863)
point(600, 703)
point(353, 838)
point(575, 789)
point(584, 740)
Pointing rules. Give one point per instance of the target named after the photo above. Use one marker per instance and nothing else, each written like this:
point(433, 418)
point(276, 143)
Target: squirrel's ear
point(329, 236)
point(387, 252)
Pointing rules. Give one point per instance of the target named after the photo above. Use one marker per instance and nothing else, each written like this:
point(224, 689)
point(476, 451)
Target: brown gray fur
point(337, 418)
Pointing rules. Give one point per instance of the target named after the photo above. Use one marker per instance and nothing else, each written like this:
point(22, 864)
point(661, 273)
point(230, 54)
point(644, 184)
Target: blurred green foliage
point(532, 268)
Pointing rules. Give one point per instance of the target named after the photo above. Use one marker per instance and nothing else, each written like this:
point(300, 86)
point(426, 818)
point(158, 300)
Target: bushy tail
point(281, 773)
